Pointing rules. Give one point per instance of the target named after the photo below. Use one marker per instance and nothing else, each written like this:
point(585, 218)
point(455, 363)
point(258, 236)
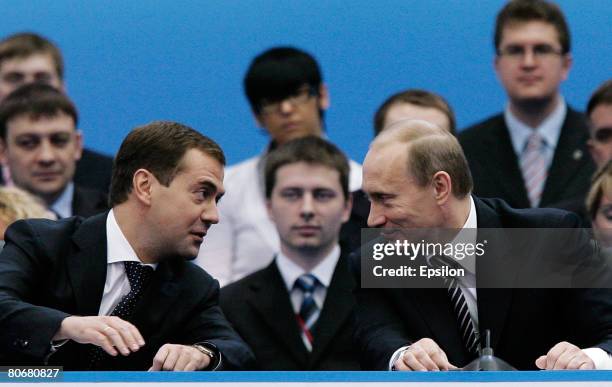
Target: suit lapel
point(87, 268)
point(437, 313)
point(504, 167)
point(339, 303)
point(570, 157)
point(158, 299)
point(269, 299)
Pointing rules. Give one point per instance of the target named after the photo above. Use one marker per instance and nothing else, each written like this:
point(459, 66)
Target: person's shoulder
point(240, 178)
point(45, 227)
point(91, 194)
point(576, 119)
point(235, 291)
point(93, 157)
point(242, 168)
point(477, 130)
point(43, 235)
point(531, 217)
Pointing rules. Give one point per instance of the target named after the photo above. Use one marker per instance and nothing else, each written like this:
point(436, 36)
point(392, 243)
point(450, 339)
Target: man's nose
point(307, 210)
point(46, 152)
point(210, 214)
point(375, 218)
point(528, 59)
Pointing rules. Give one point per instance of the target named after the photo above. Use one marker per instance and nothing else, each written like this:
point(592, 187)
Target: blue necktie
point(309, 311)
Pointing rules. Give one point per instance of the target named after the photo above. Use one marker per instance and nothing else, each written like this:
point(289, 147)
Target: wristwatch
point(205, 351)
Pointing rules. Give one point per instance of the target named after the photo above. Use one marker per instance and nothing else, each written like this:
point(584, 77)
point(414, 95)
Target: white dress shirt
point(118, 250)
point(324, 272)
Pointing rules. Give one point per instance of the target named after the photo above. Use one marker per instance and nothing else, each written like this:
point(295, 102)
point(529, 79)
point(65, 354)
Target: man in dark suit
point(28, 58)
point(534, 154)
point(40, 145)
point(115, 291)
point(417, 177)
point(294, 313)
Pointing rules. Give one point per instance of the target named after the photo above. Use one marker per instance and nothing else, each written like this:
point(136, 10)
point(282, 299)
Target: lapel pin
point(577, 154)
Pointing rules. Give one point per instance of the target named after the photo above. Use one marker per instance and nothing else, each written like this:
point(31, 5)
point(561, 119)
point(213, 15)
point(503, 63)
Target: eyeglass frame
point(301, 96)
point(539, 51)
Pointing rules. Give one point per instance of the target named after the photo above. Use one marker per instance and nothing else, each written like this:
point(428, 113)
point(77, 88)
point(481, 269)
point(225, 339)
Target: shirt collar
point(117, 246)
point(471, 221)
point(549, 129)
point(63, 205)
point(323, 271)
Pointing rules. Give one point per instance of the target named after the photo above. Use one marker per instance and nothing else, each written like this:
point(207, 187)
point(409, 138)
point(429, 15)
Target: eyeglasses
point(301, 96)
point(539, 51)
point(603, 135)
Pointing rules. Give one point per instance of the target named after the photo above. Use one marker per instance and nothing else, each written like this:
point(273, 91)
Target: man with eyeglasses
point(534, 154)
point(288, 98)
point(599, 111)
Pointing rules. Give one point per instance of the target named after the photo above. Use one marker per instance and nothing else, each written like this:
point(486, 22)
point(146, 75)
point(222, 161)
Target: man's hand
point(565, 356)
point(423, 355)
point(176, 357)
point(109, 332)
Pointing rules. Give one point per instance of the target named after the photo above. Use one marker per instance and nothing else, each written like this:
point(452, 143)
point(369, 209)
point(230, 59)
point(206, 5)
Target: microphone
point(487, 361)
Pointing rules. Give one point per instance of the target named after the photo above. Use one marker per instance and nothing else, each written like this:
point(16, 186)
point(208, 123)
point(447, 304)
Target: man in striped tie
point(417, 177)
point(294, 313)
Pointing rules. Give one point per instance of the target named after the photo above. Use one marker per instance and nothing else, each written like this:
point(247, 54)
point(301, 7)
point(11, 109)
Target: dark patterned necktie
point(309, 311)
point(460, 306)
point(138, 276)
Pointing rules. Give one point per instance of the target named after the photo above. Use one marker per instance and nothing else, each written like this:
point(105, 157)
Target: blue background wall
point(130, 62)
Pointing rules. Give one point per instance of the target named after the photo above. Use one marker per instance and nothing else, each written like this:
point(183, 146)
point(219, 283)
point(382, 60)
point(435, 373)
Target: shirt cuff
point(396, 356)
point(601, 358)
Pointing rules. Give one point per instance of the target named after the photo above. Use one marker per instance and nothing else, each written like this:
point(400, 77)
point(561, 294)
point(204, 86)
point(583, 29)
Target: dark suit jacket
point(50, 270)
point(350, 233)
point(497, 174)
point(259, 308)
point(87, 202)
point(524, 323)
point(94, 170)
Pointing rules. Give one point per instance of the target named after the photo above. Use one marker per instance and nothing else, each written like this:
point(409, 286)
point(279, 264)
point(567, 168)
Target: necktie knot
point(440, 261)
point(535, 142)
point(138, 275)
point(307, 283)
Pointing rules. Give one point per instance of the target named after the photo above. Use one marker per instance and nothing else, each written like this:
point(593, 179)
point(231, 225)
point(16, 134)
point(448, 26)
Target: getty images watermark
point(483, 258)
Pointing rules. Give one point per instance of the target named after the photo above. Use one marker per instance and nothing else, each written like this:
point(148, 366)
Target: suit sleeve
point(210, 325)
point(26, 330)
point(378, 330)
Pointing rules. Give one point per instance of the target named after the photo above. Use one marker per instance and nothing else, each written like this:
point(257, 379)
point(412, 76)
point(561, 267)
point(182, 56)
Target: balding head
point(429, 149)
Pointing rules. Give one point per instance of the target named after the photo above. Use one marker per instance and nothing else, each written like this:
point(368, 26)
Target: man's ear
point(568, 61)
point(442, 186)
point(143, 183)
point(78, 152)
point(348, 207)
point(324, 99)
